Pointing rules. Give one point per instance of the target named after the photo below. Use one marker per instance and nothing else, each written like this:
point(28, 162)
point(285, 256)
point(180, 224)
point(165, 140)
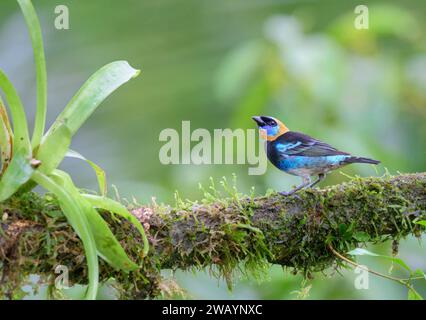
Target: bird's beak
point(259, 121)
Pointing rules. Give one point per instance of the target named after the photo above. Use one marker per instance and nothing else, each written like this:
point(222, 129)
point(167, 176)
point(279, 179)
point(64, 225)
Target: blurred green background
point(217, 63)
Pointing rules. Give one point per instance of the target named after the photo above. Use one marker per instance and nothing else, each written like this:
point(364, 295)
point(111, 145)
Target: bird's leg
point(306, 182)
point(321, 177)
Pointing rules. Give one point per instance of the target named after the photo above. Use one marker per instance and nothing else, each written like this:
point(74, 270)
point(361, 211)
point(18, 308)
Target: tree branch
point(223, 235)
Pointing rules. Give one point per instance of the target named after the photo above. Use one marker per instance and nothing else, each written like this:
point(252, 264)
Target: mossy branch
point(223, 235)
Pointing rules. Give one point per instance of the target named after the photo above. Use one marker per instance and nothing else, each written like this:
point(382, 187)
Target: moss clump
point(347, 216)
point(214, 236)
point(225, 234)
point(36, 238)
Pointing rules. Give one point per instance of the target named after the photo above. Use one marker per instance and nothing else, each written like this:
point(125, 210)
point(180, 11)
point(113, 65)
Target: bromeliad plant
point(26, 163)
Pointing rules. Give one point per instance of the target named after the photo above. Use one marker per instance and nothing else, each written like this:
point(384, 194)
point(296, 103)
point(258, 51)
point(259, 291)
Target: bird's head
point(270, 128)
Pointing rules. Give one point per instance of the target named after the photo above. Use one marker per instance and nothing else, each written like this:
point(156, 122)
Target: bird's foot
point(306, 184)
point(289, 193)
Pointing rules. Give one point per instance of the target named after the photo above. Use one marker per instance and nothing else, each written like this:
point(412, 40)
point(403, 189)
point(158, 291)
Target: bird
point(301, 155)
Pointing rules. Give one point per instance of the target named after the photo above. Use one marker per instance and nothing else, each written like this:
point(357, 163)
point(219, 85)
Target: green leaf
point(100, 173)
point(19, 118)
point(364, 252)
point(17, 173)
point(80, 224)
point(346, 231)
point(53, 148)
point(83, 104)
point(6, 137)
point(420, 273)
point(107, 245)
point(361, 236)
point(116, 207)
point(413, 294)
point(34, 29)
point(99, 86)
point(422, 222)
point(19, 169)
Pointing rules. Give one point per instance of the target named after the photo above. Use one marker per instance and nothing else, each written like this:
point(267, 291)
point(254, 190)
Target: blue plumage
point(301, 155)
point(311, 165)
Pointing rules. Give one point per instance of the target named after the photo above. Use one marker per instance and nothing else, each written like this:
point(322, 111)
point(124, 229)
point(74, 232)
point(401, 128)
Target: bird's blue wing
point(295, 143)
point(287, 147)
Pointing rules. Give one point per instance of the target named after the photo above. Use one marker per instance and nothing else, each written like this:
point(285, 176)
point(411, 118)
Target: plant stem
point(353, 263)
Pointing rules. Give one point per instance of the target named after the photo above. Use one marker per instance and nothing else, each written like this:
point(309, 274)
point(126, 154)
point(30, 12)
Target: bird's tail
point(361, 160)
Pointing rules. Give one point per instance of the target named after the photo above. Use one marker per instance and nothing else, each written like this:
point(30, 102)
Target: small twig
point(353, 263)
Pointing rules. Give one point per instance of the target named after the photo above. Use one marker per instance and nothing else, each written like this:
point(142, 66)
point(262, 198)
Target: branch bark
point(223, 235)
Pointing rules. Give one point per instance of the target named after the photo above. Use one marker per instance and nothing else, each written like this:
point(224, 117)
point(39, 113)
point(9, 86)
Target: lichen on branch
point(225, 235)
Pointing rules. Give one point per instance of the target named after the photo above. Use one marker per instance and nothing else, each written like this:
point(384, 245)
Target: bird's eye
point(272, 123)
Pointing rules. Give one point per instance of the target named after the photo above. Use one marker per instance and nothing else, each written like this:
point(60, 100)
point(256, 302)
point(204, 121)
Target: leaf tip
point(137, 73)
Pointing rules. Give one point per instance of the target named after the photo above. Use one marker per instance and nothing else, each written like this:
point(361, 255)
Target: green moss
point(369, 210)
point(228, 234)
